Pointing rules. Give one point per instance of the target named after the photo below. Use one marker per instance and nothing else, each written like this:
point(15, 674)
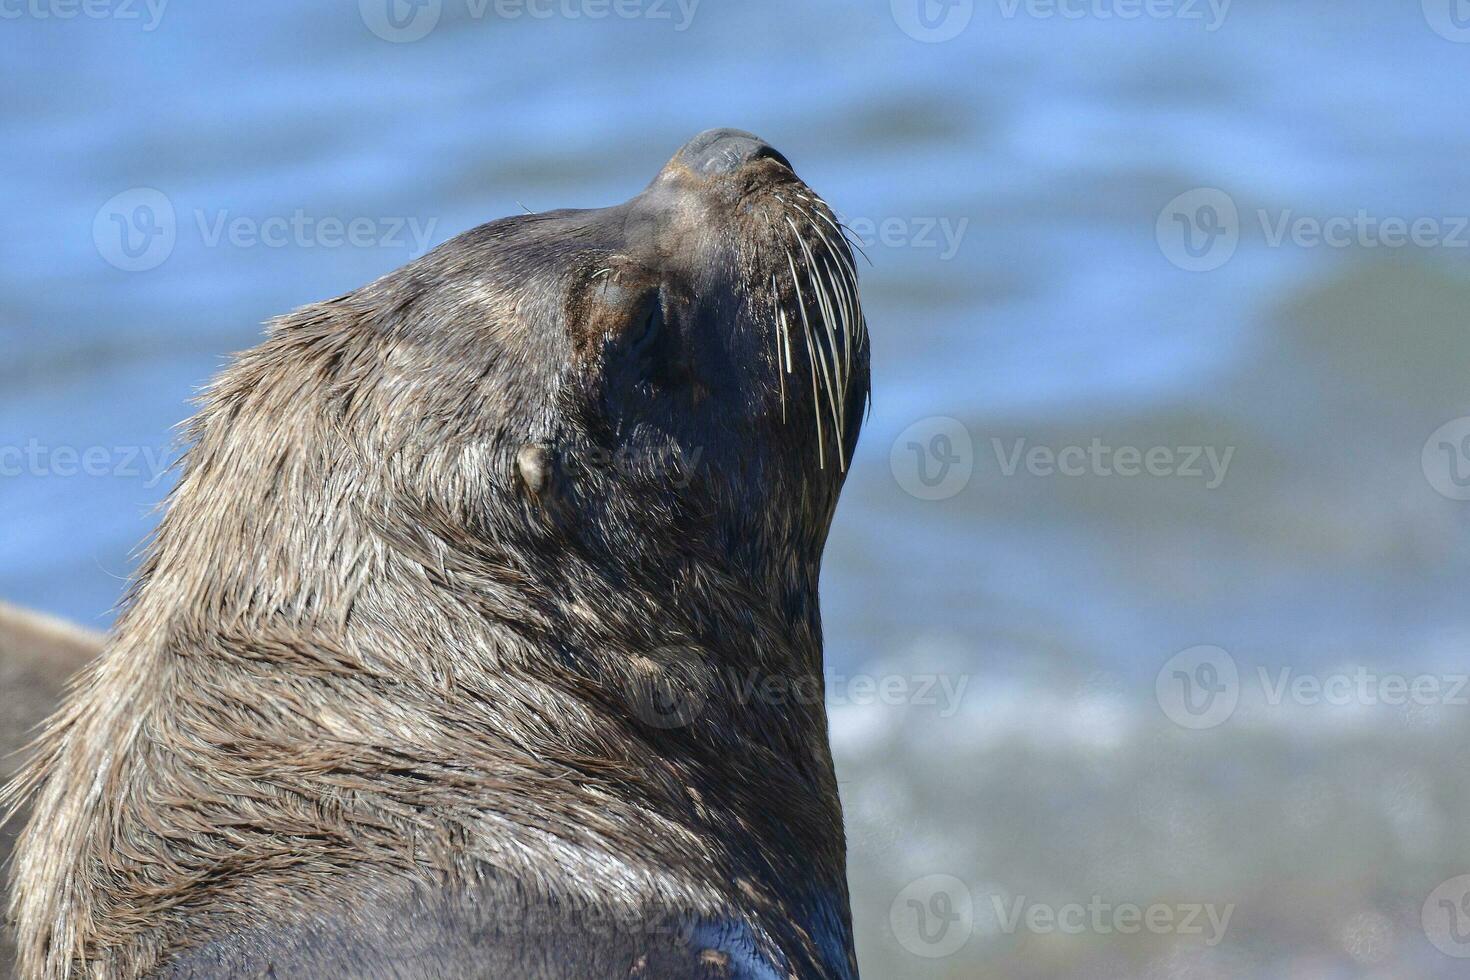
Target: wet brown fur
point(361, 656)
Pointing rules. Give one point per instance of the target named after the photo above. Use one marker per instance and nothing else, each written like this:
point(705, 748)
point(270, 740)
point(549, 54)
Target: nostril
point(768, 152)
point(724, 151)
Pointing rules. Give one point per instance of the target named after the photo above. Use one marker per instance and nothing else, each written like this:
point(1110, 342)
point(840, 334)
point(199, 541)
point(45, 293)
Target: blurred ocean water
point(1091, 234)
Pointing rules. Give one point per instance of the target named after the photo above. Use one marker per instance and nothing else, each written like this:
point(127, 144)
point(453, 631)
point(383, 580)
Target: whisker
point(786, 332)
point(848, 235)
point(835, 390)
point(825, 212)
point(811, 358)
point(780, 321)
point(845, 316)
point(828, 249)
point(850, 307)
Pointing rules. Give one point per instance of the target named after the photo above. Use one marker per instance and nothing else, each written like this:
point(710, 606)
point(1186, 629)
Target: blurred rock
point(37, 657)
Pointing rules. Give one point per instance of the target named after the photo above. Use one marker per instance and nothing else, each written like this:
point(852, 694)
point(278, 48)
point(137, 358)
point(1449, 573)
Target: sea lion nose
point(724, 151)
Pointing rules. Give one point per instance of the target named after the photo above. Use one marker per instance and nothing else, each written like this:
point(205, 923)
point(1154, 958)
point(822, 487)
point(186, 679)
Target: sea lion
point(37, 655)
point(480, 637)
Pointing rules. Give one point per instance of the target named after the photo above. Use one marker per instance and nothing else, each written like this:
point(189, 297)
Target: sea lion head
point(687, 368)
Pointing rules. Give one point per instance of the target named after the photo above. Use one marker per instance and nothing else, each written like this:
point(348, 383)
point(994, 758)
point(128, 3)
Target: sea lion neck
point(360, 613)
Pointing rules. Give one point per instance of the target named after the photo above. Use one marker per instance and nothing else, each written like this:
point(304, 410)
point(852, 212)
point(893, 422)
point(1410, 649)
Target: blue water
point(1048, 146)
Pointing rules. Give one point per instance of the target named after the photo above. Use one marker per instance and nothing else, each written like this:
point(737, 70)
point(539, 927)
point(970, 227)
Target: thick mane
point(328, 664)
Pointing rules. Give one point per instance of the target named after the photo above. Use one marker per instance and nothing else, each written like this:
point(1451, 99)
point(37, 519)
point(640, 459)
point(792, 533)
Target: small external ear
point(644, 327)
point(547, 486)
point(616, 316)
point(534, 466)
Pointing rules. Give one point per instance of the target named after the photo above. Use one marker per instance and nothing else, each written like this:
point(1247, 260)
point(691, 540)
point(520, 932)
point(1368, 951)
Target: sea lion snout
point(717, 152)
